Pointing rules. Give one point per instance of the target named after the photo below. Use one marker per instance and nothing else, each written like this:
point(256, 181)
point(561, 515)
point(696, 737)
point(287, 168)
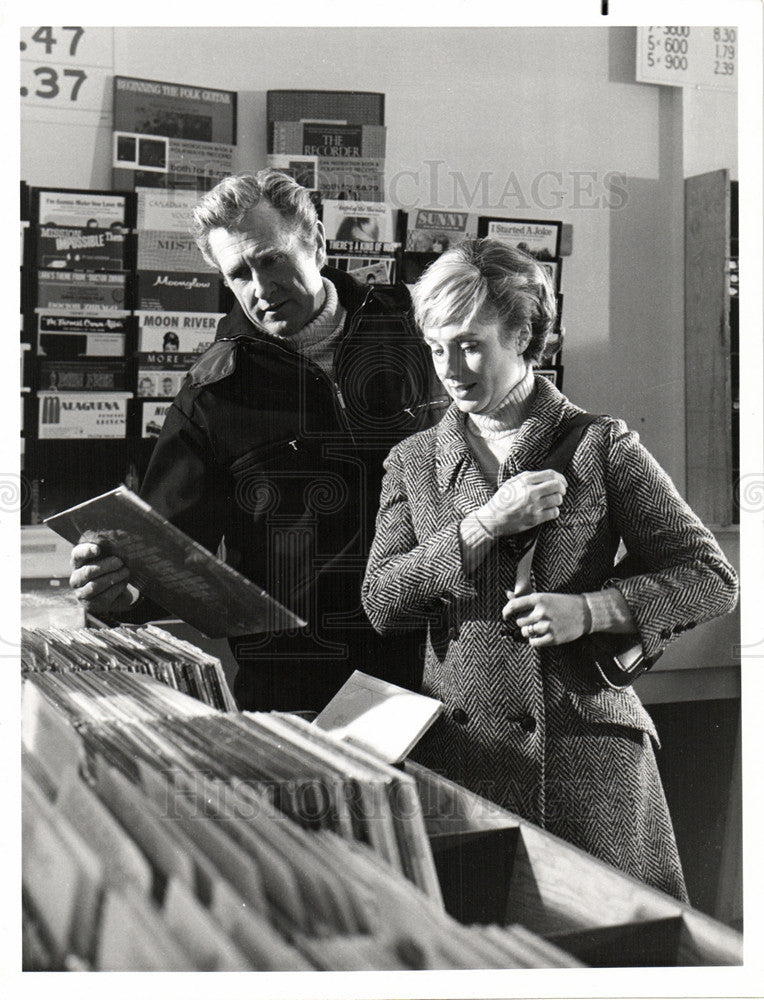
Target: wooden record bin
point(497, 868)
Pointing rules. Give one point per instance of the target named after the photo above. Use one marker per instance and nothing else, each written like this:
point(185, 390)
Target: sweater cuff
point(473, 531)
point(475, 541)
point(609, 611)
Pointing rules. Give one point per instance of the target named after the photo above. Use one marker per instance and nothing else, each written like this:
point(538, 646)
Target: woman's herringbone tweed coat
point(532, 729)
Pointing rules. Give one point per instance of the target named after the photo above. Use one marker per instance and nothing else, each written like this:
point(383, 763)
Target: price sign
point(66, 69)
point(688, 56)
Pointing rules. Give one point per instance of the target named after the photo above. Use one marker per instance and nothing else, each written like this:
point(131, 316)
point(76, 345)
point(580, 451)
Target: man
point(273, 448)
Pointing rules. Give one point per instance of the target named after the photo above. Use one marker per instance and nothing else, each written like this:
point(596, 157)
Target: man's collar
point(351, 293)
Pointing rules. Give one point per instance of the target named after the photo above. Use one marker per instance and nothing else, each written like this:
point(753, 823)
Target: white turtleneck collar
point(324, 323)
point(510, 413)
point(318, 338)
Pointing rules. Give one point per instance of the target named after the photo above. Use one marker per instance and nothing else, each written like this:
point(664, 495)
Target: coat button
point(512, 630)
point(528, 723)
point(460, 716)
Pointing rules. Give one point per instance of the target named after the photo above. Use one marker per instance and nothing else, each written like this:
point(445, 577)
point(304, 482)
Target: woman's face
point(476, 362)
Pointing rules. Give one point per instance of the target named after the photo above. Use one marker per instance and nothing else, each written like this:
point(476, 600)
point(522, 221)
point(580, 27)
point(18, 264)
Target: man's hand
point(522, 502)
point(99, 582)
point(549, 619)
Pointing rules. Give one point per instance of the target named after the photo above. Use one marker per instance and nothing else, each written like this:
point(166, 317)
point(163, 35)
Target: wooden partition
point(709, 389)
point(497, 868)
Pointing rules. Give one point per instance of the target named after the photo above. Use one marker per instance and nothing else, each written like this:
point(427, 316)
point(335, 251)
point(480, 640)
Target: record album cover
point(172, 569)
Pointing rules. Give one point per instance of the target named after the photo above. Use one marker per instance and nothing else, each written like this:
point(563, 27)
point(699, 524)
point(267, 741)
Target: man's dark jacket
point(262, 451)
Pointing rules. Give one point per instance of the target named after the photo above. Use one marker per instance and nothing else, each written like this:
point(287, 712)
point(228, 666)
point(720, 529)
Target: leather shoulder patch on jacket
point(217, 362)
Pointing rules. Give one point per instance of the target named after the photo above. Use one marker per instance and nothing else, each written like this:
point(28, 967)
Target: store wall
point(710, 143)
point(532, 122)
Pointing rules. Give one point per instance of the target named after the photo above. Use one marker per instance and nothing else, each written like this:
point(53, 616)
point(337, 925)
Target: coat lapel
point(539, 430)
point(456, 469)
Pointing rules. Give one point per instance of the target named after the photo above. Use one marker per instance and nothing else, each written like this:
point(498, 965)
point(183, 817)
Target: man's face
point(273, 274)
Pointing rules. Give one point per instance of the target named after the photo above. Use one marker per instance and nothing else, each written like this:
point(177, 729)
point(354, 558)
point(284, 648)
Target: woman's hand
point(522, 502)
point(549, 619)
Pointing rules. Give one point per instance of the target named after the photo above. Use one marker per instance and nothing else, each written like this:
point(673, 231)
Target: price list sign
point(688, 56)
point(66, 70)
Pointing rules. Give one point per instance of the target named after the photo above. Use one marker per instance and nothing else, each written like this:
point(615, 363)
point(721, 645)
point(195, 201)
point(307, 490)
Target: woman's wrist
point(483, 524)
point(475, 540)
point(609, 611)
point(588, 618)
point(474, 532)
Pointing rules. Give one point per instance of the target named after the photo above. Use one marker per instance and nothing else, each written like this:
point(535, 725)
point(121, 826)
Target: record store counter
point(163, 830)
point(495, 867)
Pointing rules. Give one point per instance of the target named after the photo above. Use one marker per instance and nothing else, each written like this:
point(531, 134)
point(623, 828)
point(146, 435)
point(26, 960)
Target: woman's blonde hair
point(492, 279)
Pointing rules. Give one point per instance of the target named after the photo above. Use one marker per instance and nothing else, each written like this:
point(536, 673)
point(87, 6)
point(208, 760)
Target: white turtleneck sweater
point(490, 437)
point(318, 339)
point(492, 434)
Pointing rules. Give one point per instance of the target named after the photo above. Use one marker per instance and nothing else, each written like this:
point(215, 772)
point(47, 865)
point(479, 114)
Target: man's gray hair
point(226, 205)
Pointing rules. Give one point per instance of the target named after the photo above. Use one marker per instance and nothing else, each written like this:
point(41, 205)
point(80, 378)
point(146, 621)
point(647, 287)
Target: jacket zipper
point(334, 388)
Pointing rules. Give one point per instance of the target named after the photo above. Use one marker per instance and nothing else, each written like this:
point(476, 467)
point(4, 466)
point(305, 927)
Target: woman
point(527, 723)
